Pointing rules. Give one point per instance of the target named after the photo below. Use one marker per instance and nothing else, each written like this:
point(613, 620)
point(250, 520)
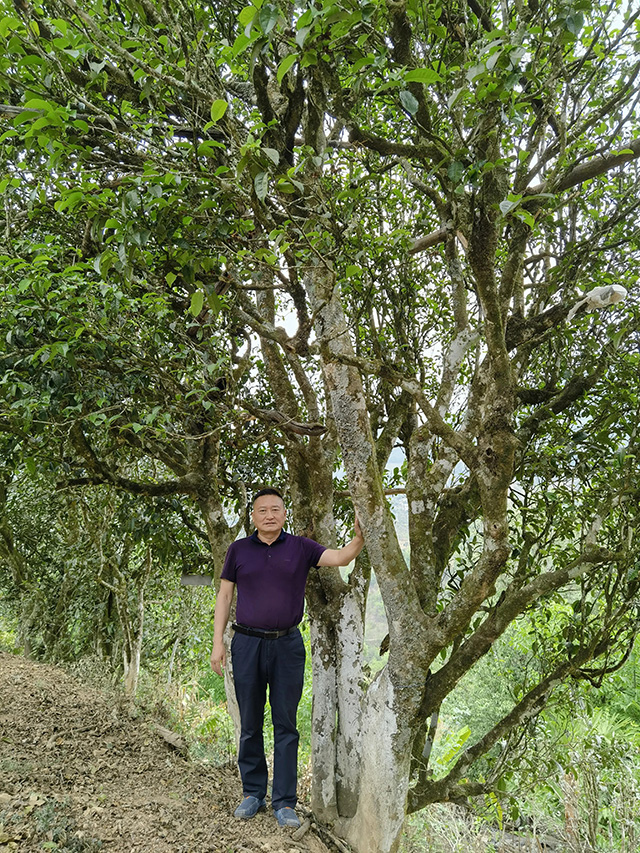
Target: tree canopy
point(275, 241)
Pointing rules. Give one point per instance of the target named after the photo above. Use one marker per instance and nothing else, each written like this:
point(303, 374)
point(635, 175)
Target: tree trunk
point(337, 634)
point(132, 642)
point(350, 641)
point(221, 535)
point(29, 607)
point(323, 721)
point(375, 730)
point(229, 686)
point(385, 758)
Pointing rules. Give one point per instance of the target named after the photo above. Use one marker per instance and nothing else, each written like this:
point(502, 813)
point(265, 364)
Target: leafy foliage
point(267, 242)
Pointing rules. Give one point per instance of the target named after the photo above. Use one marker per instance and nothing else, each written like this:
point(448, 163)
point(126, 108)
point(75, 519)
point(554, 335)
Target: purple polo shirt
point(270, 579)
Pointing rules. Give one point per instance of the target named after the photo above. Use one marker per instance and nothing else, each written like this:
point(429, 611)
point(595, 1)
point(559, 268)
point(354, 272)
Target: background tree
point(402, 203)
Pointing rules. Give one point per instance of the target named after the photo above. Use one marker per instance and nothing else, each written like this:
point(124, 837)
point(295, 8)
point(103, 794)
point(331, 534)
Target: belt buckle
point(271, 635)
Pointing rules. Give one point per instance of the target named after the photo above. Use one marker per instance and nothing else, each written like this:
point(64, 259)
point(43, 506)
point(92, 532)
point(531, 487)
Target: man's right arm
point(220, 619)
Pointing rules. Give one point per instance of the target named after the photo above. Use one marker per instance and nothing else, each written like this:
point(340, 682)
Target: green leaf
point(23, 118)
point(247, 15)
point(305, 19)
point(526, 217)
point(333, 14)
point(218, 109)
point(475, 71)
point(209, 148)
point(261, 185)
point(268, 18)
point(140, 236)
point(103, 263)
point(132, 198)
point(362, 63)
point(507, 206)
point(510, 203)
point(310, 57)
point(39, 104)
point(266, 255)
point(8, 23)
point(243, 162)
point(197, 301)
point(422, 75)
point(272, 154)
point(301, 36)
point(285, 65)
point(43, 121)
point(575, 23)
point(456, 171)
point(70, 200)
point(456, 743)
point(285, 187)
point(213, 301)
point(240, 44)
point(409, 102)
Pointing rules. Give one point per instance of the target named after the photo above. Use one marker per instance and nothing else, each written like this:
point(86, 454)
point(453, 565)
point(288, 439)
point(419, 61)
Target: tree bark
point(376, 729)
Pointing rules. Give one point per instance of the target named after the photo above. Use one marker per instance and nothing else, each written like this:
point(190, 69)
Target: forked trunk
point(361, 741)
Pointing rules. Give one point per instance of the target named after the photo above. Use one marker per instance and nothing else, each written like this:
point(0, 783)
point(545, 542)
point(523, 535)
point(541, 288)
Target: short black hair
point(268, 491)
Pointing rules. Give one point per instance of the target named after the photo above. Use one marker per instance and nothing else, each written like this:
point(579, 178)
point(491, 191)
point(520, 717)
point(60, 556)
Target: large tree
point(401, 203)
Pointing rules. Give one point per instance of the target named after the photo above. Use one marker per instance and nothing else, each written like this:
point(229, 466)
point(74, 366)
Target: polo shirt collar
point(256, 538)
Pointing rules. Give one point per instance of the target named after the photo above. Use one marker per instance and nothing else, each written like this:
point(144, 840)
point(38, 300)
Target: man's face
point(269, 515)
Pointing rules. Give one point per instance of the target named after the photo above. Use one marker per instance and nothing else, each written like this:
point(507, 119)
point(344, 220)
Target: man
point(269, 570)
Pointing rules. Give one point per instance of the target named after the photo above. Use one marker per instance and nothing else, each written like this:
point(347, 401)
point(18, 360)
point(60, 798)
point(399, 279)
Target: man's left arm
point(343, 556)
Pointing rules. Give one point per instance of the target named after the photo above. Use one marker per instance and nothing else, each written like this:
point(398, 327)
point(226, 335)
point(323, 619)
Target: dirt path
point(79, 775)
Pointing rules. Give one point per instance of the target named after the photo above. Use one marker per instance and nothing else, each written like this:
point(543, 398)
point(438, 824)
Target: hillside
point(80, 773)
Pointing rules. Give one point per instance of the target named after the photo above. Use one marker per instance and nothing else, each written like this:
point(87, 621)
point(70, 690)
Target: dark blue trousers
point(278, 664)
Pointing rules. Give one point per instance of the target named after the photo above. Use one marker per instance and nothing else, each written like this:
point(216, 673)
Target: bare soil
point(80, 774)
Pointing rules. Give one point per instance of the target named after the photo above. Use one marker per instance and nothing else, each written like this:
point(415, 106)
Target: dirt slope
point(77, 774)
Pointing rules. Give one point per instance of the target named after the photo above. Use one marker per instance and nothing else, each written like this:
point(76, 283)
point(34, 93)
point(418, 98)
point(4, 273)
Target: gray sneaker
point(249, 807)
point(286, 817)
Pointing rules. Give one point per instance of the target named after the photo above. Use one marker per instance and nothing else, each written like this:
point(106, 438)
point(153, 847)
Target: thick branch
point(286, 424)
point(100, 473)
point(576, 388)
point(529, 706)
point(429, 240)
point(391, 430)
point(592, 169)
point(520, 331)
point(512, 604)
point(383, 146)
point(437, 424)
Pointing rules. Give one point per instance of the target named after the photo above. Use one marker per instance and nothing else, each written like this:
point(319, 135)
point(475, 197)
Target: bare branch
point(286, 424)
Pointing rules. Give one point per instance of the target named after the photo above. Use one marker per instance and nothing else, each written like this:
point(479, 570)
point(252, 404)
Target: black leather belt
point(264, 635)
